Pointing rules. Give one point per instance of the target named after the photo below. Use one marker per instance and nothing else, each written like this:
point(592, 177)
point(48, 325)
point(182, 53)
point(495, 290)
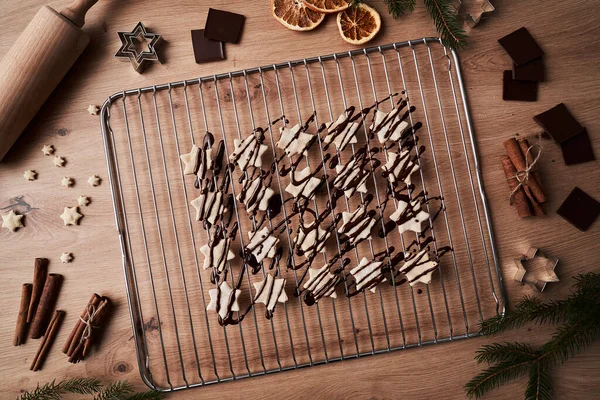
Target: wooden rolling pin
point(36, 63)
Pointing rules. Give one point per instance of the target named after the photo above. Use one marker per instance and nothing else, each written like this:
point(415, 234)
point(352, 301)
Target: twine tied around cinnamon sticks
point(83, 334)
point(523, 176)
point(88, 321)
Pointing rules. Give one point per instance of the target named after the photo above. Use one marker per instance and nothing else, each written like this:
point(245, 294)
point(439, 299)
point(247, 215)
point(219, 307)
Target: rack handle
point(77, 10)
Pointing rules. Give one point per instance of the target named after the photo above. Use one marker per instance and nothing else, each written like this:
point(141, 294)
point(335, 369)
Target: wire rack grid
point(180, 344)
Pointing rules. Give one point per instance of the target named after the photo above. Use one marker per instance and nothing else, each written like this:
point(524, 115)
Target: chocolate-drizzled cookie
point(368, 274)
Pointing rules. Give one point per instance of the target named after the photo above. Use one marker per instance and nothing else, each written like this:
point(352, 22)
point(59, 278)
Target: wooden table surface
point(570, 36)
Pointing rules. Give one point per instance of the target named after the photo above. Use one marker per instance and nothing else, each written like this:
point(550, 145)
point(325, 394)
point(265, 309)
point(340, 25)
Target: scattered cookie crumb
point(71, 215)
point(83, 200)
point(93, 109)
point(12, 221)
point(66, 258)
point(66, 181)
point(59, 161)
point(30, 175)
point(48, 149)
point(94, 180)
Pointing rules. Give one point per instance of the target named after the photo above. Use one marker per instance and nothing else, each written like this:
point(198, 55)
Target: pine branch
point(53, 390)
point(446, 23)
point(398, 7)
point(495, 376)
point(115, 391)
point(539, 386)
point(505, 352)
point(571, 339)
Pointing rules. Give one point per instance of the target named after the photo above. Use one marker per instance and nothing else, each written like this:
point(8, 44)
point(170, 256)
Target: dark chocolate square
point(532, 71)
point(559, 123)
point(580, 209)
point(206, 50)
point(578, 149)
point(223, 25)
point(521, 46)
point(518, 90)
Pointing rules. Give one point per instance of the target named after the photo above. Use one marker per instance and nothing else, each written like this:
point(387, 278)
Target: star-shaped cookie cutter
point(486, 9)
point(128, 51)
point(549, 267)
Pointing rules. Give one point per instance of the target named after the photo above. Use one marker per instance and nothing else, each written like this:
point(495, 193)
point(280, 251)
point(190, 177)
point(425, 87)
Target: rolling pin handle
point(76, 11)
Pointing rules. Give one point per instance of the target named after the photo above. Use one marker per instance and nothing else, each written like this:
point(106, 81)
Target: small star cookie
point(270, 291)
point(59, 161)
point(94, 180)
point(66, 181)
point(225, 298)
point(48, 149)
point(93, 109)
point(66, 258)
point(30, 175)
point(83, 200)
point(71, 216)
point(190, 160)
point(12, 221)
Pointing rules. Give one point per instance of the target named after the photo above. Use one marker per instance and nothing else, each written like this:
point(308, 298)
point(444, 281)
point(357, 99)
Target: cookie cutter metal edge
point(487, 8)
point(127, 51)
point(550, 266)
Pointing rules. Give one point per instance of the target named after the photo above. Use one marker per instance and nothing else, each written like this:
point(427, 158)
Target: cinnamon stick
point(80, 344)
point(524, 145)
point(21, 329)
point(51, 332)
point(517, 157)
point(519, 198)
point(74, 337)
point(40, 271)
point(98, 321)
point(46, 305)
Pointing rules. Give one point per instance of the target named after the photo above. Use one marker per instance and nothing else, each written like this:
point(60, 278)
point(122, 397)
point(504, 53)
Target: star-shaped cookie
point(227, 299)
point(389, 126)
point(311, 240)
point(94, 180)
point(190, 160)
point(410, 216)
point(341, 132)
point(83, 200)
point(321, 283)
point(30, 175)
point(71, 216)
point(48, 149)
point(400, 167)
point(419, 267)
point(66, 258)
point(301, 185)
point(216, 253)
point(270, 291)
point(292, 141)
point(209, 207)
point(58, 161)
point(262, 244)
point(66, 181)
point(93, 109)
point(12, 221)
point(247, 152)
point(357, 225)
point(368, 274)
point(351, 178)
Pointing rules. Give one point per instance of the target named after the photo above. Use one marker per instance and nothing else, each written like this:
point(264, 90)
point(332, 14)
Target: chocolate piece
point(223, 25)
point(518, 90)
point(532, 71)
point(578, 149)
point(205, 49)
point(559, 123)
point(580, 209)
point(521, 46)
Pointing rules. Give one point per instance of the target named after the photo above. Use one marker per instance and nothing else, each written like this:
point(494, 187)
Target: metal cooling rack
point(181, 345)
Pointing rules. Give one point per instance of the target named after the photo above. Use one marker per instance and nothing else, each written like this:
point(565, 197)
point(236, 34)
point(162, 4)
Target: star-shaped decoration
point(357, 225)
point(71, 215)
point(227, 299)
point(321, 283)
point(190, 160)
point(217, 252)
point(66, 181)
point(293, 141)
point(418, 267)
point(400, 167)
point(248, 152)
point(93, 109)
point(311, 240)
point(301, 185)
point(341, 132)
point(209, 207)
point(12, 221)
point(83, 200)
point(389, 126)
point(58, 161)
point(30, 175)
point(410, 216)
point(94, 180)
point(48, 149)
point(128, 52)
point(538, 282)
point(66, 258)
point(368, 274)
point(269, 292)
point(262, 244)
point(351, 178)
point(254, 195)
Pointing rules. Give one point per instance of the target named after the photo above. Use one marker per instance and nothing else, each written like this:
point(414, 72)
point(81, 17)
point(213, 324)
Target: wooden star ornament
point(540, 281)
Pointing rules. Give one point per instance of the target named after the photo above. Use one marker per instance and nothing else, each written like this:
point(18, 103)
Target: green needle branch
point(121, 390)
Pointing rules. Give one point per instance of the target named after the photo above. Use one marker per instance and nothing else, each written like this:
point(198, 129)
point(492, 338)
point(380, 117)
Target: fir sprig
point(121, 390)
point(579, 315)
point(447, 24)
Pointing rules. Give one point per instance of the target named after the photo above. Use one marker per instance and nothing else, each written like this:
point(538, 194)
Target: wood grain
point(572, 78)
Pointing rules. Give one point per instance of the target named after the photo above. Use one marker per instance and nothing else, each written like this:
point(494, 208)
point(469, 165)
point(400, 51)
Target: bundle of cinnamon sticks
point(527, 194)
point(85, 331)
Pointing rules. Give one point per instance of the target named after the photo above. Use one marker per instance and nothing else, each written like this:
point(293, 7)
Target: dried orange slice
point(327, 6)
point(294, 15)
point(359, 24)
